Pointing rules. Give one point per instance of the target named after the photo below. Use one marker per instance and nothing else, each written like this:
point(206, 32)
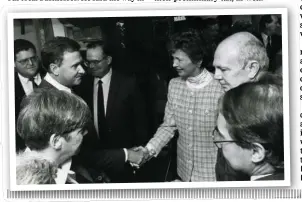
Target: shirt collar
point(105, 79)
point(26, 80)
point(56, 84)
point(255, 177)
point(264, 36)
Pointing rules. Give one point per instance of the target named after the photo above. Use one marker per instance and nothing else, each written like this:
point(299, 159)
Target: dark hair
point(254, 113)
point(263, 20)
point(106, 47)
point(224, 20)
point(189, 42)
point(53, 50)
point(22, 45)
point(49, 111)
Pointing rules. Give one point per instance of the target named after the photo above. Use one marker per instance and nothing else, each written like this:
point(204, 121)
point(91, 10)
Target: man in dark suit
point(118, 110)
point(27, 76)
point(269, 27)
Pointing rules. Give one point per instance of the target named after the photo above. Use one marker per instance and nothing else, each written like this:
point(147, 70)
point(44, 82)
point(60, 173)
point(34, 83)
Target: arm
point(167, 129)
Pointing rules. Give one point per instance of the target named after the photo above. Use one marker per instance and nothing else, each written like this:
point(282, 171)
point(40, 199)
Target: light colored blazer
point(193, 113)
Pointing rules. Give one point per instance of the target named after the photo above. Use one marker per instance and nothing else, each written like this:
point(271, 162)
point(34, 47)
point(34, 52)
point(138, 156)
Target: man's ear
point(258, 153)
point(199, 63)
point(253, 68)
point(55, 141)
point(109, 60)
point(54, 68)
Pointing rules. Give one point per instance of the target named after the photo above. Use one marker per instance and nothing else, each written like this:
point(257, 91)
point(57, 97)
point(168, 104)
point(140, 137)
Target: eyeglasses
point(26, 61)
point(220, 142)
point(93, 63)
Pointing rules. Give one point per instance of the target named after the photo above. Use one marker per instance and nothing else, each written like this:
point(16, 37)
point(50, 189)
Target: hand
point(137, 156)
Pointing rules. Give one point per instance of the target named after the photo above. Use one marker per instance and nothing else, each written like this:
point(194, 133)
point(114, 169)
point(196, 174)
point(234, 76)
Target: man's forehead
point(27, 52)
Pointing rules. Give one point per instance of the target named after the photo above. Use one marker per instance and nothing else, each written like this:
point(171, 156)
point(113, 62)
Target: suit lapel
point(113, 90)
point(19, 91)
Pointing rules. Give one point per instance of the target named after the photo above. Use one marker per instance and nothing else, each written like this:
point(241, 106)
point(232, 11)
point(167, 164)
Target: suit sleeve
point(107, 160)
point(140, 116)
point(167, 129)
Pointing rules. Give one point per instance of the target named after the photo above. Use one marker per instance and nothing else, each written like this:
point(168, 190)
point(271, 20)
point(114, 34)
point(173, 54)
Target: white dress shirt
point(265, 39)
point(106, 86)
point(56, 84)
point(27, 84)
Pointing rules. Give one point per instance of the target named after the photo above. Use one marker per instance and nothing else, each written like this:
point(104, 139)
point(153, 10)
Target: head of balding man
point(238, 59)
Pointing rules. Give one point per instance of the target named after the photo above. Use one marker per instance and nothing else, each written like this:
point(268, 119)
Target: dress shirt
point(56, 84)
point(265, 39)
point(106, 85)
point(27, 83)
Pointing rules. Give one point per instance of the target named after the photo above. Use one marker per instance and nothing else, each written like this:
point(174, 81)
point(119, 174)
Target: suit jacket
point(276, 46)
point(125, 127)
point(19, 95)
point(193, 113)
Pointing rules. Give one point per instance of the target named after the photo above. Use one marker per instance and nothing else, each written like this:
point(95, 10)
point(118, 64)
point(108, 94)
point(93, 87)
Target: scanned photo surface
point(176, 100)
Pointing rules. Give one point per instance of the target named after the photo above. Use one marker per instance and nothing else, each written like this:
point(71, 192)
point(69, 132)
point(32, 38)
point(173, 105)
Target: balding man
point(238, 59)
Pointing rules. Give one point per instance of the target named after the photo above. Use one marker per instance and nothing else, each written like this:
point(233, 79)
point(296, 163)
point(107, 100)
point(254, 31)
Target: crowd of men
point(80, 120)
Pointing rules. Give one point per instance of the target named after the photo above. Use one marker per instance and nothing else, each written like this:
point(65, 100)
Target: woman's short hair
point(254, 114)
point(189, 42)
point(50, 111)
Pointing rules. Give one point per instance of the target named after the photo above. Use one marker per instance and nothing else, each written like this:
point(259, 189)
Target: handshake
point(137, 156)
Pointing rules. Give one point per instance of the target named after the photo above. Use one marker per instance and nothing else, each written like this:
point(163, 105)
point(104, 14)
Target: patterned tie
point(32, 80)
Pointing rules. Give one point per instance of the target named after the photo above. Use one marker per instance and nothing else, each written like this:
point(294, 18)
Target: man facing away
point(52, 124)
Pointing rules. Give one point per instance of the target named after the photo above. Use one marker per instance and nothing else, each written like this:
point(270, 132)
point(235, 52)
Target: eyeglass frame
point(221, 141)
point(26, 61)
point(265, 145)
point(94, 62)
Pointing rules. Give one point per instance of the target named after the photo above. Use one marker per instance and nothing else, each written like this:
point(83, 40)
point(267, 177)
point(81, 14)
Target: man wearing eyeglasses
point(118, 110)
point(28, 75)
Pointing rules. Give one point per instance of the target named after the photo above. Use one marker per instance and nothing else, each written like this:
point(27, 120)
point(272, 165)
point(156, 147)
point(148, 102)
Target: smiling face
point(184, 65)
point(71, 71)
point(26, 63)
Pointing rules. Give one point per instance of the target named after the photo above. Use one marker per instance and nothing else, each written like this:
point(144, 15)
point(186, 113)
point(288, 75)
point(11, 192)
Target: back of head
point(249, 49)
point(254, 114)
point(22, 45)
point(189, 42)
point(49, 111)
point(34, 170)
point(53, 50)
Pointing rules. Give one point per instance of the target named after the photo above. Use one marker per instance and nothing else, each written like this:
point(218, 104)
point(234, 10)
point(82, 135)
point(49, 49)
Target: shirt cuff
point(126, 155)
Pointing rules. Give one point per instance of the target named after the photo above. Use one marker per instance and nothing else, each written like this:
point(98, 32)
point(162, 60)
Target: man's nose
point(30, 61)
point(81, 69)
point(217, 74)
point(175, 63)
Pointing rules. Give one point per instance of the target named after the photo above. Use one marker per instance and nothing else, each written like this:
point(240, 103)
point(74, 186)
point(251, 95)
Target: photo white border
point(146, 13)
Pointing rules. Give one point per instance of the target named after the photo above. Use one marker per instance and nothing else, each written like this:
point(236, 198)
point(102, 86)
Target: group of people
point(82, 121)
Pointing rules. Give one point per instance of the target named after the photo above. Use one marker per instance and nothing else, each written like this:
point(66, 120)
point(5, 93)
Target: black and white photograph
point(165, 99)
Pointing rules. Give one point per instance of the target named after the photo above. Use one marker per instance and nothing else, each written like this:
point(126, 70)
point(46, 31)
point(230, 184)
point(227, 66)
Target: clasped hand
point(137, 156)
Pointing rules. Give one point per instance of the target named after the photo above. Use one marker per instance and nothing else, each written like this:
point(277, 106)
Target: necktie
point(101, 110)
point(34, 83)
point(268, 46)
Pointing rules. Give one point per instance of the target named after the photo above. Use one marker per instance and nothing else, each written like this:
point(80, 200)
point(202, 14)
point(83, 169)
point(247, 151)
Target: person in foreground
point(53, 124)
point(250, 130)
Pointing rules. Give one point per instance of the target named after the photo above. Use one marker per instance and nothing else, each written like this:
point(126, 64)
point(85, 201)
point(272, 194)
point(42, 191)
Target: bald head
point(238, 59)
